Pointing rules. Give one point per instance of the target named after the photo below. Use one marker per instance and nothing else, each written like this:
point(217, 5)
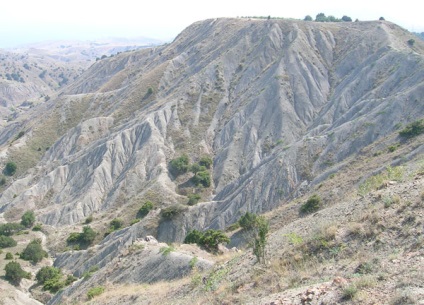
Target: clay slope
point(277, 104)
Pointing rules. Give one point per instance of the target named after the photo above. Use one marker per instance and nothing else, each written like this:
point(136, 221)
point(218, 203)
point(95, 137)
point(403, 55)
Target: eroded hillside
point(278, 106)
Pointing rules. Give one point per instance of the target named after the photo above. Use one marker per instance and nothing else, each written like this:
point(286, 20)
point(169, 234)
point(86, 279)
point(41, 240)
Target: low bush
point(95, 291)
point(9, 256)
point(206, 162)
point(179, 165)
point(313, 204)
point(145, 209)
point(248, 220)
point(202, 178)
point(10, 169)
point(173, 211)
point(209, 239)
point(15, 273)
point(10, 228)
point(413, 129)
point(7, 242)
point(193, 199)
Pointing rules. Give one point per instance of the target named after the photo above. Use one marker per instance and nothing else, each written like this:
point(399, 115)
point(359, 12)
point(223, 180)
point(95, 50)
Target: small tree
point(413, 129)
point(28, 219)
point(308, 18)
point(10, 228)
point(15, 273)
point(9, 256)
point(321, 18)
point(10, 169)
point(34, 252)
point(346, 19)
point(260, 235)
point(411, 42)
point(381, 19)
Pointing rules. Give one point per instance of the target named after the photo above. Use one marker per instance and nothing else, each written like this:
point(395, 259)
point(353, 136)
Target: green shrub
point(14, 273)
point(179, 165)
point(233, 227)
point(413, 129)
point(2, 181)
point(9, 256)
point(248, 221)
point(10, 169)
point(34, 252)
point(202, 178)
point(193, 237)
point(37, 227)
point(173, 211)
point(87, 236)
point(74, 237)
point(193, 199)
point(195, 168)
point(209, 239)
point(311, 205)
point(145, 209)
point(47, 273)
point(95, 291)
point(10, 228)
point(7, 242)
point(89, 219)
point(116, 224)
point(206, 162)
point(166, 250)
point(28, 219)
point(349, 292)
point(212, 238)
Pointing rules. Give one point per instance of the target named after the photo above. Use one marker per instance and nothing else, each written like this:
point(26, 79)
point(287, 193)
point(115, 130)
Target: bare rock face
point(275, 103)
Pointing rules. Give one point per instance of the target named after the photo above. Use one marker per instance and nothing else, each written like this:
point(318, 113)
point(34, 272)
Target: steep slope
point(276, 103)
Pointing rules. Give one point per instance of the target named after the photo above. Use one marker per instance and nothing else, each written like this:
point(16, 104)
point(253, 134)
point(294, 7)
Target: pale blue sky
point(24, 21)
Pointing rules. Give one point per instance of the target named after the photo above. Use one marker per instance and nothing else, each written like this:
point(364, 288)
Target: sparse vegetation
point(95, 291)
point(193, 199)
point(166, 250)
point(173, 211)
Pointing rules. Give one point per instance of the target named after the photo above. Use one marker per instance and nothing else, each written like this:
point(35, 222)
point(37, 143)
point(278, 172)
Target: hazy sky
point(23, 21)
